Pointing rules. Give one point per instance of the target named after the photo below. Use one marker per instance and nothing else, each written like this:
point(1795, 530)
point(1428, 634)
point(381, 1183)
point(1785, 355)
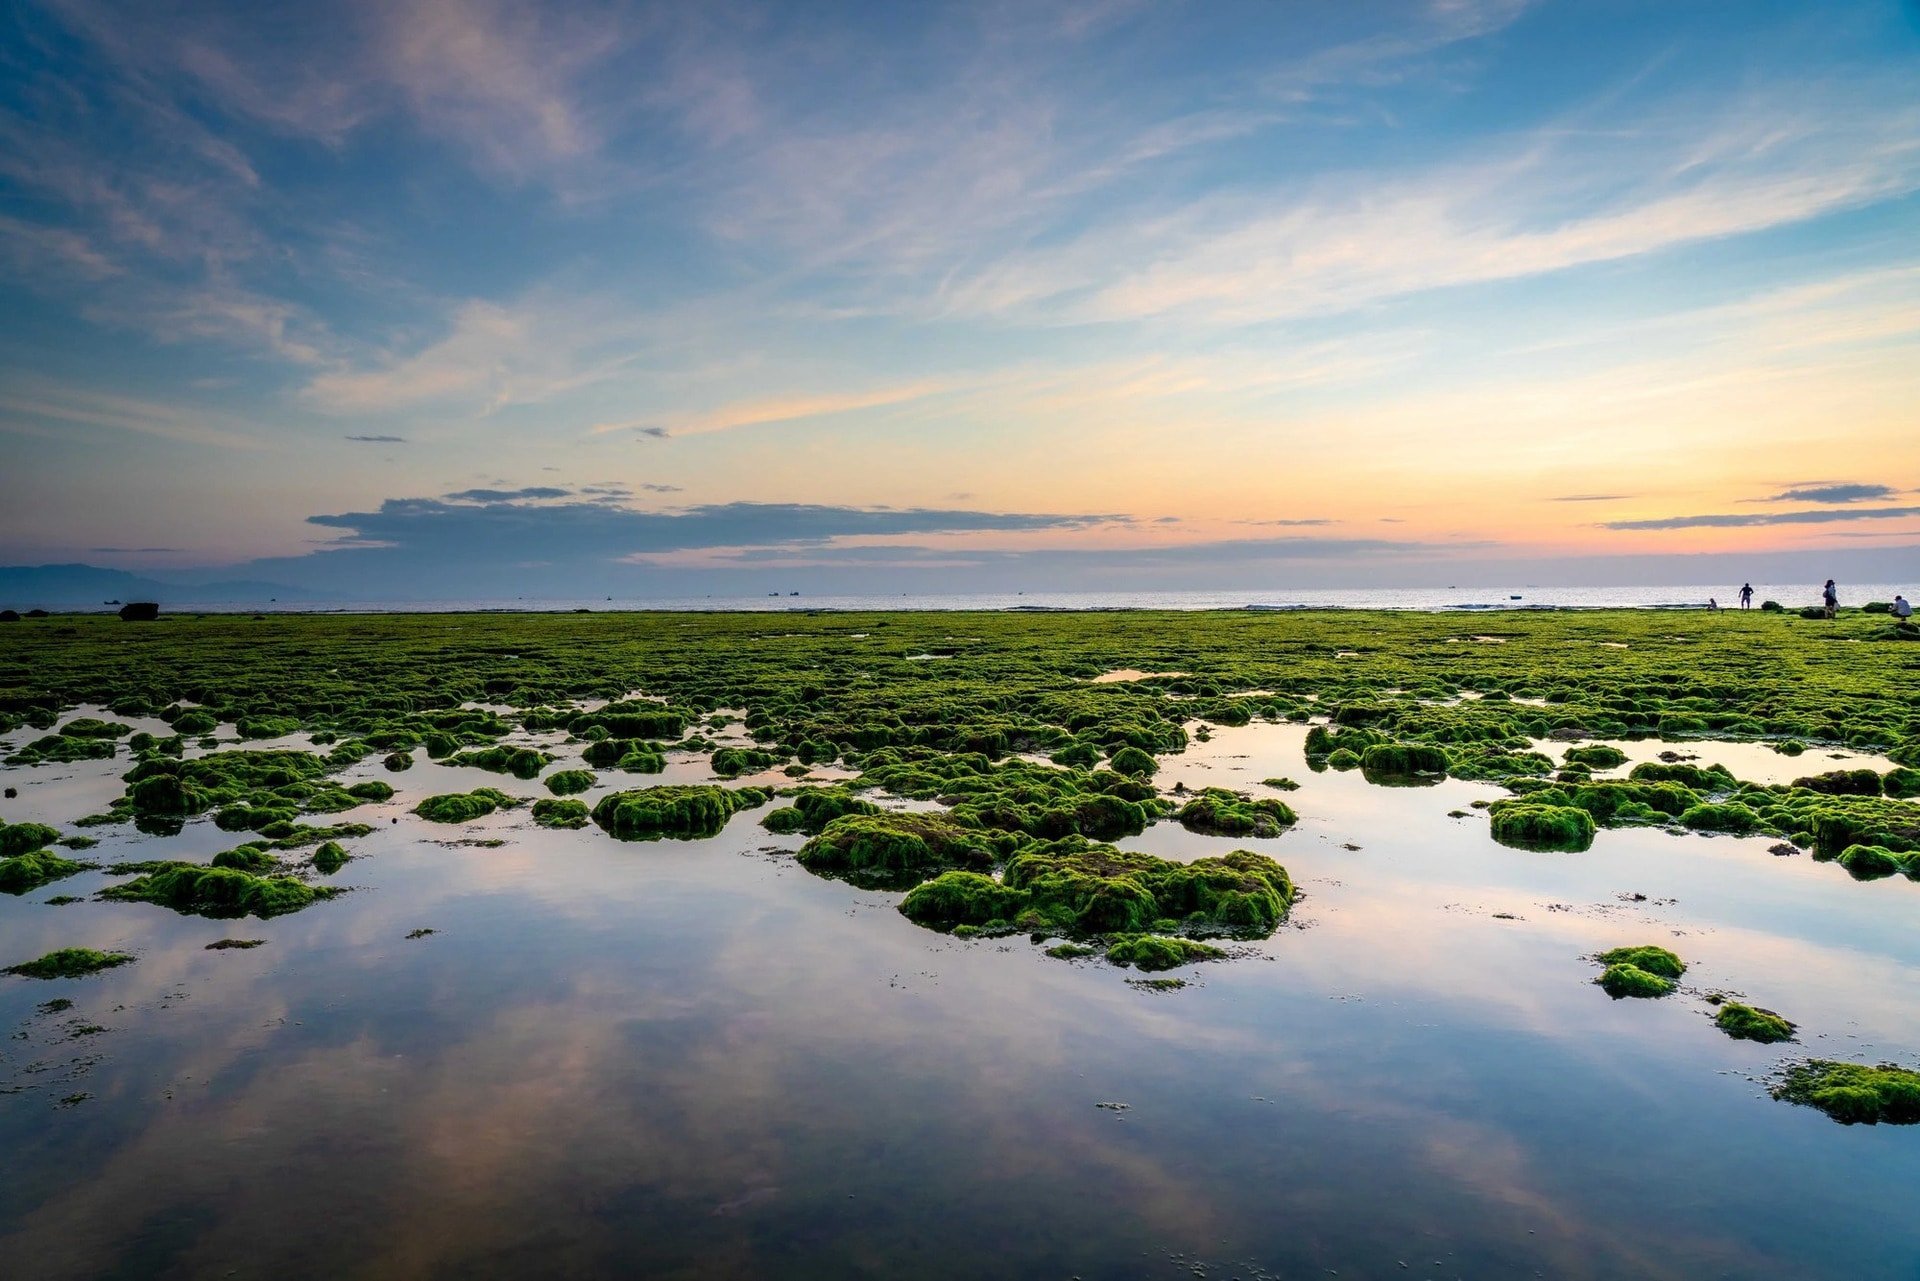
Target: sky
point(422, 298)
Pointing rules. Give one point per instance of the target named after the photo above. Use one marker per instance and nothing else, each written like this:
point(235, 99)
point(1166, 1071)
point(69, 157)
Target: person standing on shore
point(1830, 597)
point(1746, 596)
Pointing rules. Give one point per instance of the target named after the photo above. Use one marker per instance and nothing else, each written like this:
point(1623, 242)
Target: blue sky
point(702, 297)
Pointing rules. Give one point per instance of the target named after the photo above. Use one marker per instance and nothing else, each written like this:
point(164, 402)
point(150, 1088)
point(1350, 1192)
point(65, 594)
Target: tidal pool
point(694, 1059)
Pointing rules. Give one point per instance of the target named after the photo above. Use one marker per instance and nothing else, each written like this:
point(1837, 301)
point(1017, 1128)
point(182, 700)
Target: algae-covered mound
point(1628, 980)
point(1131, 760)
point(1079, 887)
point(194, 890)
point(24, 838)
point(891, 849)
point(814, 808)
point(570, 782)
point(1750, 1023)
point(1596, 756)
point(521, 762)
point(1219, 812)
point(680, 812)
point(1854, 1093)
point(1392, 761)
point(1527, 824)
point(551, 812)
point(63, 749)
point(634, 755)
point(1159, 951)
point(31, 870)
point(633, 720)
point(1645, 971)
point(464, 807)
point(1018, 795)
point(1871, 862)
point(961, 898)
point(330, 858)
point(69, 963)
point(247, 858)
point(732, 762)
point(161, 785)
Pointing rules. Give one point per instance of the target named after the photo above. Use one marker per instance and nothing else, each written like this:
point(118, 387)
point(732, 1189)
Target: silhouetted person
point(1830, 597)
point(1746, 596)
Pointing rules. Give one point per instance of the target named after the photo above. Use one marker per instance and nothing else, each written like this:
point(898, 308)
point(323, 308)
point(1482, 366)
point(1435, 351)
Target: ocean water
point(1511, 596)
point(692, 1059)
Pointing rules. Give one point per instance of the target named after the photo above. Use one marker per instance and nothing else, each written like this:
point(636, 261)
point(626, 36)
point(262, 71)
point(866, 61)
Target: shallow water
point(693, 1059)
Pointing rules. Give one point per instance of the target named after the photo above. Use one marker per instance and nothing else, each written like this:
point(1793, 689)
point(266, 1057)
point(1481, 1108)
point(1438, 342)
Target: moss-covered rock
point(1596, 756)
point(1653, 960)
point(24, 838)
point(521, 762)
point(192, 889)
point(1854, 1093)
point(1870, 862)
point(961, 898)
point(69, 963)
point(679, 812)
point(330, 857)
point(1159, 952)
point(894, 849)
point(34, 868)
point(570, 782)
point(1750, 1023)
point(552, 812)
point(1526, 824)
point(814, 808)
point(464, 807)
point(1404, 760)
point(247, 858)
point(1630, 980)
point(732, 762)
point(1219, 812)
point(1131, 760)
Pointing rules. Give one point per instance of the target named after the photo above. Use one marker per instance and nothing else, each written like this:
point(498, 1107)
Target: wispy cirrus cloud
point(1741, 520)
point(1831, 493)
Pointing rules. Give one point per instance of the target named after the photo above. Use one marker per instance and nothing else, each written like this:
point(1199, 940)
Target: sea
point(1431, 599)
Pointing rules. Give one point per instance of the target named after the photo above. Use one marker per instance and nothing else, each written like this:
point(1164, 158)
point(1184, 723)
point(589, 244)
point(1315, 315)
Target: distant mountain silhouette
point(25, 587)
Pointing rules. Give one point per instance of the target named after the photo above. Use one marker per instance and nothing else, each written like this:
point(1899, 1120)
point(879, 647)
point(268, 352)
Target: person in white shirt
point(1901, 609)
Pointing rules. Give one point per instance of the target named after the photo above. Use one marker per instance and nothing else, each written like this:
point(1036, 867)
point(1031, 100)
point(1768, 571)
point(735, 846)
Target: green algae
point(732, 762)
point(894, 849)
point(1630, 980)
point(571, 782)
point(23, 838)
point(1750, 1023)
point(1651, 959)
point(956, 899)
point(1854, 1093)
point(196, 890)
point(553, 812)
point(679, 812)
point(464, 807)
point(330, 857)
point(35, 868)
point(1131, 760)
point(813, 808)
point(398, 761)
point(69, 963)
point(1596, 756)
point(246, 858)
point(1219, 812)
point(521, 762)
point(1404, 760)
point(1152, 952)
point(1529, 824)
